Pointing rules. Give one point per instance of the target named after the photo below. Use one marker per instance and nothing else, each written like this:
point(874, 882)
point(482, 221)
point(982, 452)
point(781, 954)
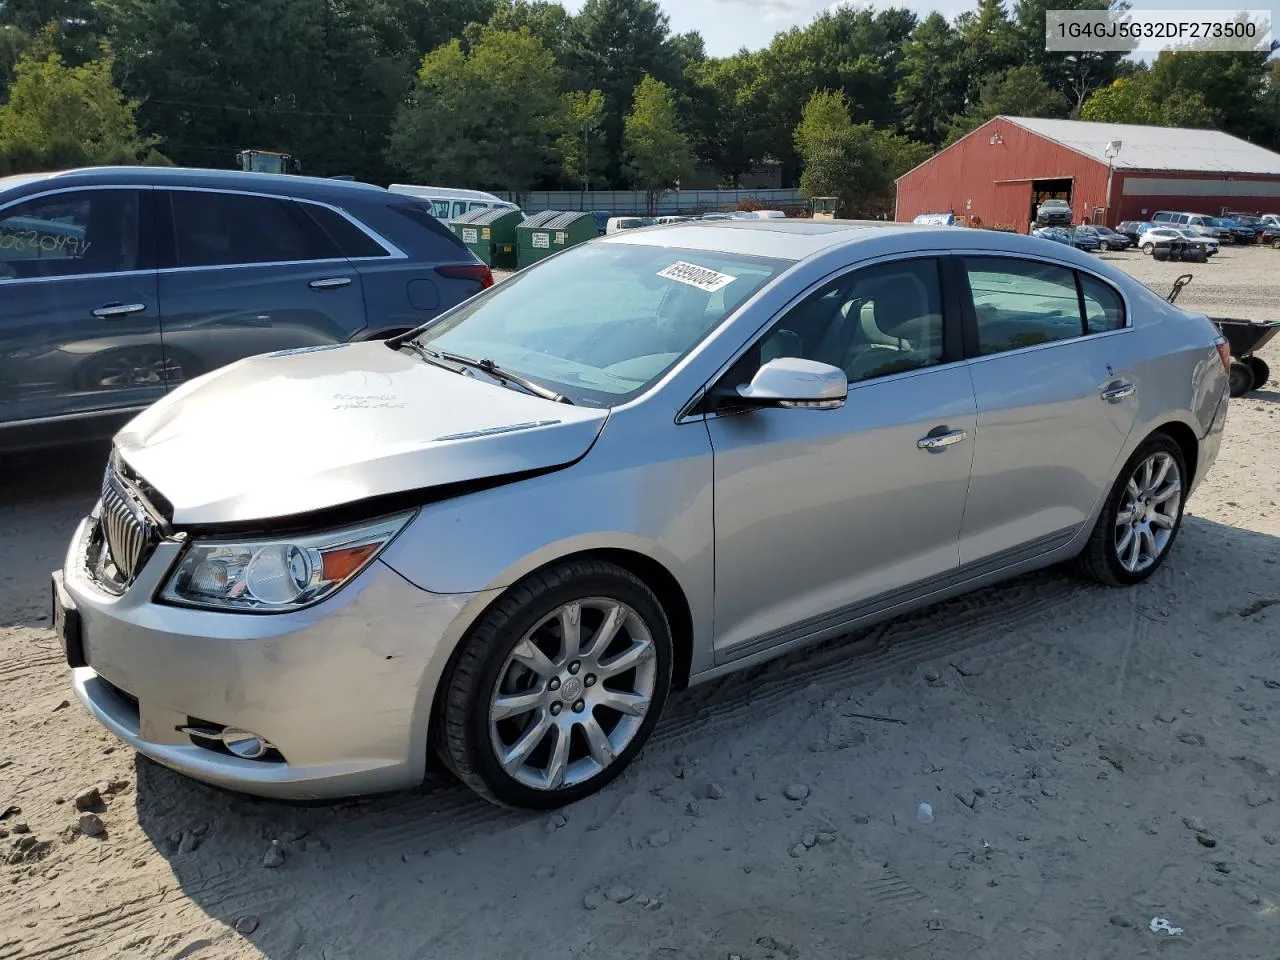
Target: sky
point(729, 25)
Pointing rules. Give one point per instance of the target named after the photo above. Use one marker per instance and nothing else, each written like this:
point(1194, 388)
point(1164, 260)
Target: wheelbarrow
point(1244, 338)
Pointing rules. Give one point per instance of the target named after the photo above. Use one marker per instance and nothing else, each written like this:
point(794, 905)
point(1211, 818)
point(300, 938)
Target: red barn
point(1108, 172)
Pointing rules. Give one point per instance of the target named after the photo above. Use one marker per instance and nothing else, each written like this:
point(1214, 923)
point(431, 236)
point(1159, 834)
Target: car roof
point(292, 185)
point(796, 239)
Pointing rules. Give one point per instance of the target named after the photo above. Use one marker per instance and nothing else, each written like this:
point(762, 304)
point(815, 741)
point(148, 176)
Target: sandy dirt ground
point(1093, 759)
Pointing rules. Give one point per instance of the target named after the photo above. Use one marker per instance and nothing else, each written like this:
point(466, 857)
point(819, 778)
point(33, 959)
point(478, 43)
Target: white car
point(1147, 242)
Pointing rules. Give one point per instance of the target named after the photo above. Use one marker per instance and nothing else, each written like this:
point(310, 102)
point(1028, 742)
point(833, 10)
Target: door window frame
point(147, 248)
point(701, 405)
point(167, 229)
point(970, 316)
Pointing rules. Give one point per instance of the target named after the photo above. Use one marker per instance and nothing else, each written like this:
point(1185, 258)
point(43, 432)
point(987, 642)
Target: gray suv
point(119, 284)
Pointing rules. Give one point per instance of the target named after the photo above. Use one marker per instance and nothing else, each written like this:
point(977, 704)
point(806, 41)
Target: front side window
point(871, 323)
point(603, 321)
point(70, 234)
point(222, 229)
point(459, 208)
point(1022, 303)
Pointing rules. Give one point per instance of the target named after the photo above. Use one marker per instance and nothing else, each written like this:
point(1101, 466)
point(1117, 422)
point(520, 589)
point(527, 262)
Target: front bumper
point(343, 690)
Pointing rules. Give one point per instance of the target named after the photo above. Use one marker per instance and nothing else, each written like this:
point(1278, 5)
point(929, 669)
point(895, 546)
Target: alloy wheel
point(1149, 511)
point(572, 694)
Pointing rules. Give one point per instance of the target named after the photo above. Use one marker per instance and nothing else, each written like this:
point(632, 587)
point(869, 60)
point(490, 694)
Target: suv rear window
point(351, 240)
point(420, 214)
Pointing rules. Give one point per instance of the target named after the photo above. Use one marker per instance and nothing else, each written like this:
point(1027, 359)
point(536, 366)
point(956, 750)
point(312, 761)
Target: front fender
point(646, 490)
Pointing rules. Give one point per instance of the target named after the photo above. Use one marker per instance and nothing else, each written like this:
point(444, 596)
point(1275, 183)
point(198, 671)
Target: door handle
point(113, 310)
point(1119, 392)
point(330, 283)
point(940, 441)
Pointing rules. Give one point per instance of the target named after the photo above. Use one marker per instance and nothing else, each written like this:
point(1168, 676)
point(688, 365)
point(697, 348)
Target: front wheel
point(1148, 248)
point(1141, 518)
point(557, 687)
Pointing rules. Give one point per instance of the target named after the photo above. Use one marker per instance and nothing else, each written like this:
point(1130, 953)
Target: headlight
point(274, 576)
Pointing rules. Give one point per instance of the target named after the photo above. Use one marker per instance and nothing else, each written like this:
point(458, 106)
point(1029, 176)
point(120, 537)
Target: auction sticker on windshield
point(696, 276)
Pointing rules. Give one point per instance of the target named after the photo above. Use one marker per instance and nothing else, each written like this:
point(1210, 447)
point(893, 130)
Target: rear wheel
point(1275, 244)
point(1141, 518)
point(1241, 379)
point(557, 687)
point(1148, 248)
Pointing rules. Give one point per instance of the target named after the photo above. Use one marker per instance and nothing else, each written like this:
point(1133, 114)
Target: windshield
point(603, 321)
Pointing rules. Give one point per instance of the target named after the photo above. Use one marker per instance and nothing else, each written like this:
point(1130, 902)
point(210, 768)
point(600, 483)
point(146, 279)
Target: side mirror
point(791, 382)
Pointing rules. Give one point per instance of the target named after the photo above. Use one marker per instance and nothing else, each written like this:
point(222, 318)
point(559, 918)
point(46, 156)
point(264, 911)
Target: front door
point(822, 516)
point(1056, 403)
point(79, 314)
point(248, 274)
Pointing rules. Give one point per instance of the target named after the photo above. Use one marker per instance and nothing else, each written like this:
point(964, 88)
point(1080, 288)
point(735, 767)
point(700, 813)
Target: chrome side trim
point(848, 615)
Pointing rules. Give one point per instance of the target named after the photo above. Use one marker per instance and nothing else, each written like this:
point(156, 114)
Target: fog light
point(244, 744)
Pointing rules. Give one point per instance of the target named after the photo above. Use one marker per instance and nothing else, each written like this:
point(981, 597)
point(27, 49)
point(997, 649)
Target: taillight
point(468, 271)
point(1224, 354)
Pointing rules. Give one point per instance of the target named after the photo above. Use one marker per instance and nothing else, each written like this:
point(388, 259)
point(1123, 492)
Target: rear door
point(79, 314)
point(1052, 366)
point(244, 274)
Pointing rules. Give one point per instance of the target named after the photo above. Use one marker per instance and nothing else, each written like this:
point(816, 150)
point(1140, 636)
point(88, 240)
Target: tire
point(1240, 379)
point(1261, 372)
point(1275, 244)
point(1101, 560)
point(1148, 248)
point(1103, 246)
point(468, 737)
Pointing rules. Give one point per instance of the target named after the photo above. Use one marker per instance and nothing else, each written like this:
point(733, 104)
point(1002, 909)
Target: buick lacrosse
point(498, 542)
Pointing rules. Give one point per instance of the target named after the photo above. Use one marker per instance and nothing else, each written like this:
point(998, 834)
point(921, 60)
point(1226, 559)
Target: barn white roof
point(1157, 148)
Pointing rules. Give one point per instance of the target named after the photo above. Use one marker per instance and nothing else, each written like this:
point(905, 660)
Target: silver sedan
point(500, 542)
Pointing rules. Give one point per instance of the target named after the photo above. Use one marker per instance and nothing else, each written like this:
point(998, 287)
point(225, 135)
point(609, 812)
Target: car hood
point(306, 430)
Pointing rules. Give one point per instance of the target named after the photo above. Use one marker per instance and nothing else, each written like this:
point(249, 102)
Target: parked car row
point(1090, 238)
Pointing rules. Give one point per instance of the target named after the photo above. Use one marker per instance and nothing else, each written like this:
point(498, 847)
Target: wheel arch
point(1181, 434)
point(656, 576)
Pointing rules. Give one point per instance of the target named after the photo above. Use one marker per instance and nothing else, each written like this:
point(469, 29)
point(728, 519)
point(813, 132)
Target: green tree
point(60, 116)
point(488, 117)
point(581, 153)
point(306, 78)
point(657, 150)
point(839, 157)
point(12, 44)
point(76, 25)
point(617, 43)
point(549, 22)
point(929, 92)
point(985, 46)
point(1073, 75)
point(1019, 92)
point(729, 114)
point(1134, 100)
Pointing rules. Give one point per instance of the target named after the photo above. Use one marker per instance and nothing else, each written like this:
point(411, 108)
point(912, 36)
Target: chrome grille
point(125, 534)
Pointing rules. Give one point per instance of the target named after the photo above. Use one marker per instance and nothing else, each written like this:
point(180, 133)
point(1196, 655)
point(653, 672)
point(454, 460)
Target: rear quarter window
point(441, 240)
point(351, 240)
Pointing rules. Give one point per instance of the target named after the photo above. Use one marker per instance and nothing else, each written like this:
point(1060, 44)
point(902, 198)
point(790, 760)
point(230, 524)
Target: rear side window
point(420, 214)
point(214, 229)
point(1103, 308)
point(353, 242)
point(1022, 303)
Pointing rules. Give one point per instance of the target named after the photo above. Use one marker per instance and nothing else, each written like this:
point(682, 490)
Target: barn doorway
point(1042, 190)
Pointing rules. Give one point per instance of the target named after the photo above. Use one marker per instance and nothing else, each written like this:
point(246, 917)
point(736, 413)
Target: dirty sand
point(1094, 759)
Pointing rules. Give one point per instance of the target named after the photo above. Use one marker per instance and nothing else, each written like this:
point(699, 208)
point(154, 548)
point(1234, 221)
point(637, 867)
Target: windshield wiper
point(430, 356)
point(498, 373)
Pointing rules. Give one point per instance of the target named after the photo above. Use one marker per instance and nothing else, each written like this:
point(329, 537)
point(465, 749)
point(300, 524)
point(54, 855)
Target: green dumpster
point(551, 231)
point(490, 233)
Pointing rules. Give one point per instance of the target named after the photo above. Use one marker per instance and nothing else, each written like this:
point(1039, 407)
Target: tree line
point(520, 95)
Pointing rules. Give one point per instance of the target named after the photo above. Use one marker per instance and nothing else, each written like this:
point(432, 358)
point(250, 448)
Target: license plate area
point(67, 624)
